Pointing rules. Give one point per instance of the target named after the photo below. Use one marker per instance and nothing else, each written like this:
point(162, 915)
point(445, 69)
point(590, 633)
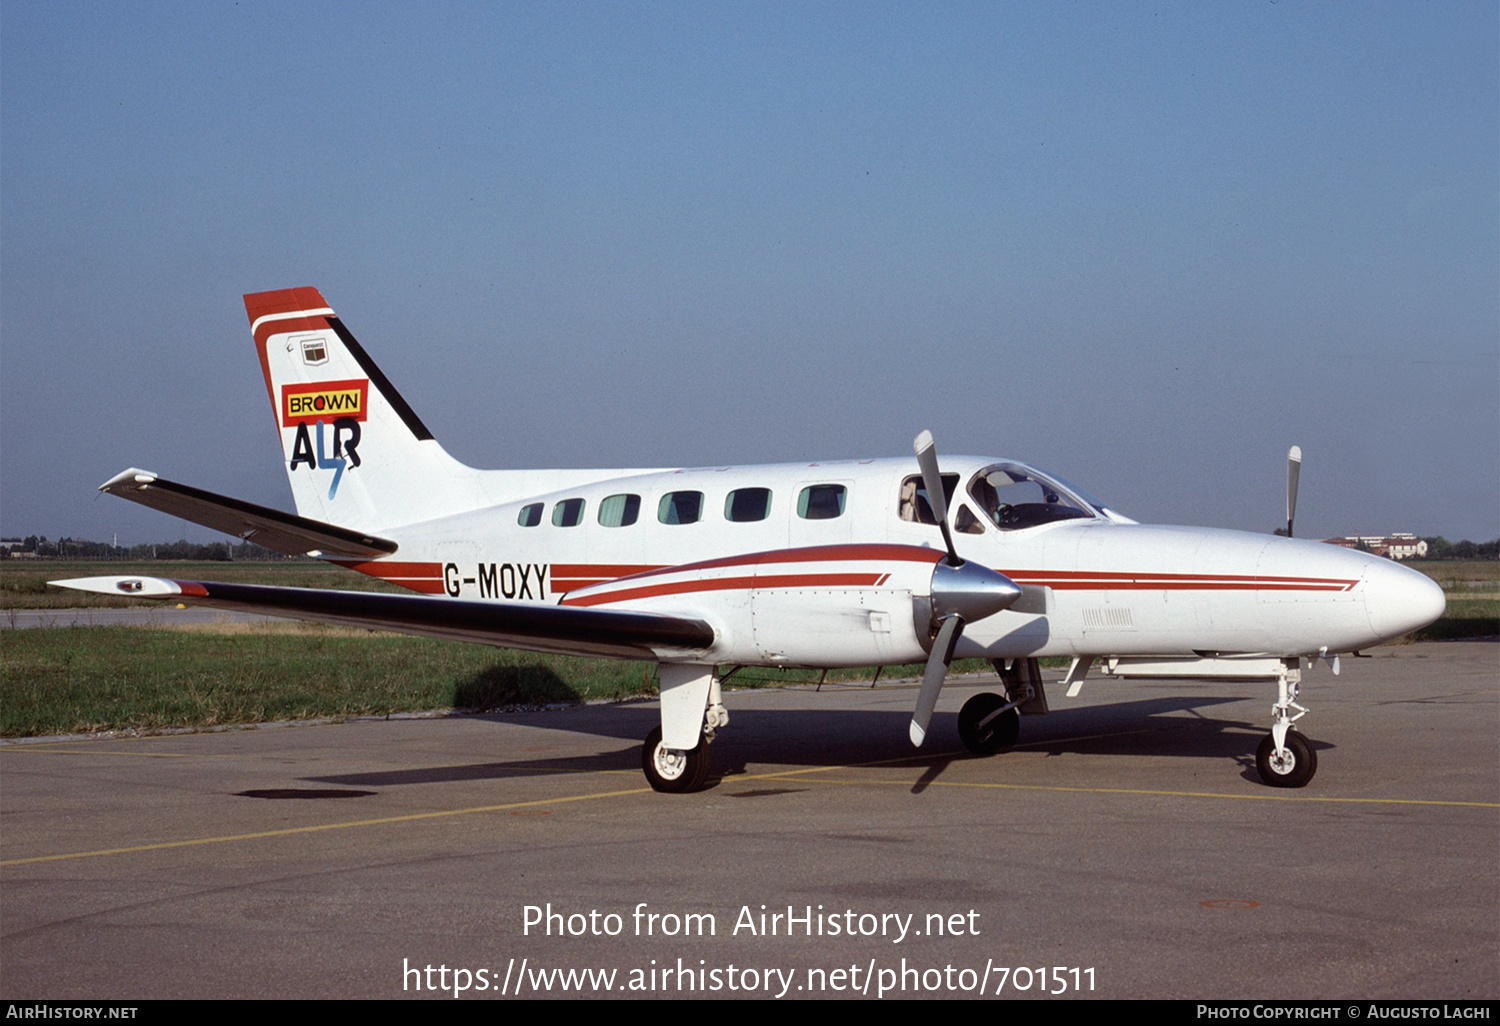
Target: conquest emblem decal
point(314, 351)
point(341, 405)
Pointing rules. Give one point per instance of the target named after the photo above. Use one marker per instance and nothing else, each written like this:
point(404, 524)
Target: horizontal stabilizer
point(283, 532)
point(537, 628)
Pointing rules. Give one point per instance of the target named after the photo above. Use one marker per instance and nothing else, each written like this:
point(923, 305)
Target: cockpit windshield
point(1014, 496)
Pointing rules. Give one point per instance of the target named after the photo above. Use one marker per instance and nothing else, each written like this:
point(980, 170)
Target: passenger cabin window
point(619, 510)
point(745, 505)
point(530, 515)
point(567, 513)
point(914, 507)
point(1013, 497)
point(680, 508)
point(821, 502)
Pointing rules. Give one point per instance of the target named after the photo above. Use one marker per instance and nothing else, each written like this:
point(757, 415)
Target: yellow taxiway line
point(810, 774)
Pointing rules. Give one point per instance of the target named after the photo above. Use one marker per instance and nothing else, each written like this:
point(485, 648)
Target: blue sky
point(1147, 246)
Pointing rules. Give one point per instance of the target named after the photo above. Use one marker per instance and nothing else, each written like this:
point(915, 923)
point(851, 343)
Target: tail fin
point(355, 452)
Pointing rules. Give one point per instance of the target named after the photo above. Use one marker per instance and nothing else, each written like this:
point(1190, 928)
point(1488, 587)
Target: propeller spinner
point(962, 592)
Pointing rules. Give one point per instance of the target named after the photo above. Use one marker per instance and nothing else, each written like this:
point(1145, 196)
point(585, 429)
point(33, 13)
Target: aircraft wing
point(536, 628)
point(284, 532)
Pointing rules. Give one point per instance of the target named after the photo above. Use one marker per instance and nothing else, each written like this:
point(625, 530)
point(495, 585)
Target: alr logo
point(339, 404)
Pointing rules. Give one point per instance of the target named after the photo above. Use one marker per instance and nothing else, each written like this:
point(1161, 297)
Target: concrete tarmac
point(1125, 849)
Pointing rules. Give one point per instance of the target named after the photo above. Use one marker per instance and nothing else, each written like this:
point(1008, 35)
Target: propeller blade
point(932, 679)
point(1293, 472)
point(933, 482)
point(960, 591)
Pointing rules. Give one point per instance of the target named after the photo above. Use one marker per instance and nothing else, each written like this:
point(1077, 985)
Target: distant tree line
point(81, 548)
point(1442, 548)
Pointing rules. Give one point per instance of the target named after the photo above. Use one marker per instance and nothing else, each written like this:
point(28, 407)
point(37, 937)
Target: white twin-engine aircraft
point(846, 563)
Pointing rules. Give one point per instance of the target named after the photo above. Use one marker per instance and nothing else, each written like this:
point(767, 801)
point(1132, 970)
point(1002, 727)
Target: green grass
point(74, 680)
point(1464, 618)
point(1472, 587)
point(81, 679)
point(1454, 571)
point(114, 678)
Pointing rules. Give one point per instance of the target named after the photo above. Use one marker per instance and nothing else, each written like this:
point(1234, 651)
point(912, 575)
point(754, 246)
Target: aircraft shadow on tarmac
point(810, 739)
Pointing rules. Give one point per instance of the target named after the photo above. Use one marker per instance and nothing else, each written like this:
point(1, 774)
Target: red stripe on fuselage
point(424, 578)
point(1086, 580)
point(565, 578)
point(568, 577)
point(1063, 580)
point(728, 584)
point(607, 571)
point(812, 554)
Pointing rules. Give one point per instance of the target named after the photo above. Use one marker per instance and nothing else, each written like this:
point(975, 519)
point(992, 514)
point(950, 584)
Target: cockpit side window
point(1014, 497)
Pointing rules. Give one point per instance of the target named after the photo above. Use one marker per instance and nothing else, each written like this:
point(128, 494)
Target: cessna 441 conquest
point(849, 563)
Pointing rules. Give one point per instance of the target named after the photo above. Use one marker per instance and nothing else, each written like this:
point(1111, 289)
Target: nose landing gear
point(1291, 765)
point(1285, 758)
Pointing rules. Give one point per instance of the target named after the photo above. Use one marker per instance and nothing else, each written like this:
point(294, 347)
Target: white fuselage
point(850, 589)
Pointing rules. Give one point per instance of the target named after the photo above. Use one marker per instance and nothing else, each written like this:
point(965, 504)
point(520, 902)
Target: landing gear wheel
point(998, 735)
point(672, 770)
point(1293, 767)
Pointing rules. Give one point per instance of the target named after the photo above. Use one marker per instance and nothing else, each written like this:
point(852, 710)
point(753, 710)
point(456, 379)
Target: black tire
point(671, 771)
point(999, 735)
point(1295, 769)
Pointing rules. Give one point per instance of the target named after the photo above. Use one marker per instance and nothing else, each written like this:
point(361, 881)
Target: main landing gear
point(672, 770)
point(1284, 757)
point(990, 723)
point(692, 710)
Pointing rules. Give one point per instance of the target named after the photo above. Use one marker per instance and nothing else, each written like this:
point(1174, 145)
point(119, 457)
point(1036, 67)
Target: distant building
point(1399, 545)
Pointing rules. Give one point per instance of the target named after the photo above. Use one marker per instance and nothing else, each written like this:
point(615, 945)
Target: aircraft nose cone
point(1399, 600)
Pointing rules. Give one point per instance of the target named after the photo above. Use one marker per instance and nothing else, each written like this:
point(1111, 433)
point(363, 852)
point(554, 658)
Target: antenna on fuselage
point(1293, 472)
